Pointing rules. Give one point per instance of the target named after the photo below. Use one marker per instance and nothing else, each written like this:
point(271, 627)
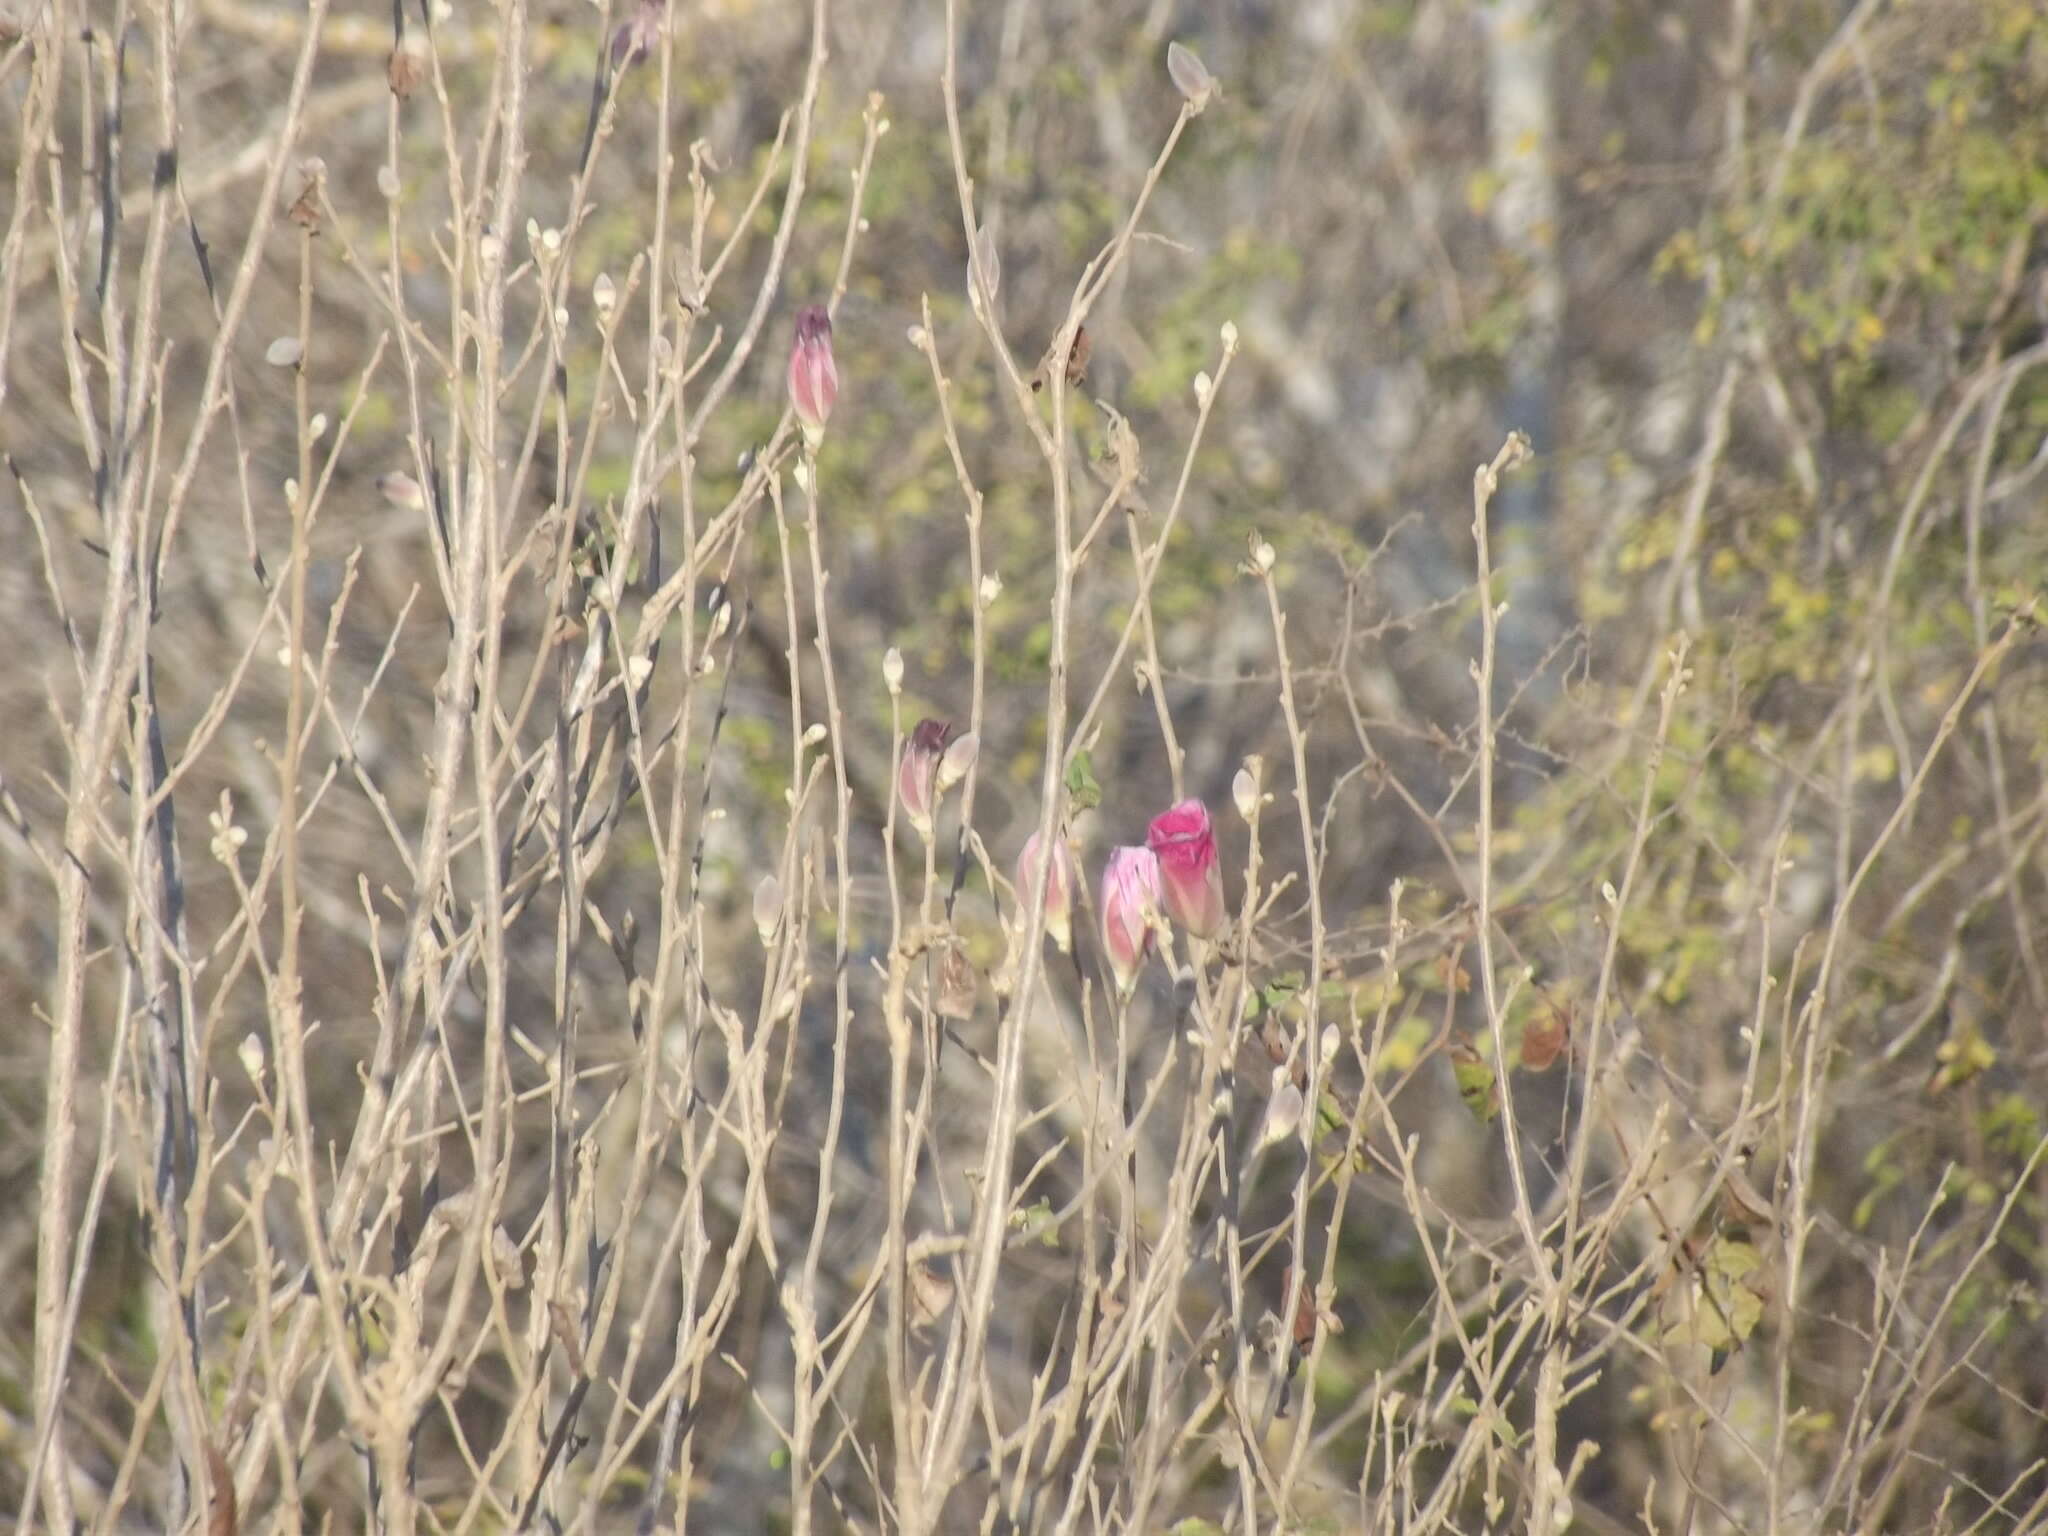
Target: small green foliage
point(1404, 1045)
point(1038, 1222)
point(1881, 1165)
point(1477, 1085)
point(1083, 792)
point(1274, 994)
point(1721, 1306)
point(2011, 1126)
point(1963, 1055)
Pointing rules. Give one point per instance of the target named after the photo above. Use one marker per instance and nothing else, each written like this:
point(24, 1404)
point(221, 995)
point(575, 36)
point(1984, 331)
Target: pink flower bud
point(1130, 907)
point(917, 775)
point(1191, 882)
point(1059, 895)
point(813, 376)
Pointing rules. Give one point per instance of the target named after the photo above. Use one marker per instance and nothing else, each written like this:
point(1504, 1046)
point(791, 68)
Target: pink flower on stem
point(1191, 881)
point(813, 376)
point(917, 775)
point(1059, 894)
point(1130, 907)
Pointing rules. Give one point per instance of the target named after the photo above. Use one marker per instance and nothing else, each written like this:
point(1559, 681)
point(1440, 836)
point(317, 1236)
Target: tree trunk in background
point(1522, 128)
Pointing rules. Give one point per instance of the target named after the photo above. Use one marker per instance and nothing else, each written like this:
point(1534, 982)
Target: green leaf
point(1083, 793)
point(1476, 1083)
point(1281, 989)
point(1037, 1220)
point(1723, 1308)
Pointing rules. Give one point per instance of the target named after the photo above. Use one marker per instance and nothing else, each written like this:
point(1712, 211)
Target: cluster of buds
point(1174, 876)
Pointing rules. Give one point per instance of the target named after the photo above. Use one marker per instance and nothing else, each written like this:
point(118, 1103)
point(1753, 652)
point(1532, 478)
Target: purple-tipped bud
point(917, 775)
point(1189, 877)
point(1130, 908)
point(635, 37)
point(1059, 893)
point(813, 376)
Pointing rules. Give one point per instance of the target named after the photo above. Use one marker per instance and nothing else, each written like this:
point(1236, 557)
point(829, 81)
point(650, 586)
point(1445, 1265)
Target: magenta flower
point(1059, 895)
point(1130, 907)
point(813, 376)
point(917, 775)
point(1190, 879)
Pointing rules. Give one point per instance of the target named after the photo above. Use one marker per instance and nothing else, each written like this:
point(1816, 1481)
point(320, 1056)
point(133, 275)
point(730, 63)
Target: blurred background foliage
point(1791, 406)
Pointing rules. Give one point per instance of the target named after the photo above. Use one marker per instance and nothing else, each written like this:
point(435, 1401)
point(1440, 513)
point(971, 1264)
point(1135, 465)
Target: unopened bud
point(958, 760)
point(1244, 789)
point(767, 907)
point(813, 374)
point(1190, 76)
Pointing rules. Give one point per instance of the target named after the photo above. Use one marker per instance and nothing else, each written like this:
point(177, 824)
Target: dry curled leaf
point(1126, 459)
point(304, 208)
point(1544, 1037)
point(563, 1323)
point(1078, 353)
point(931, 1292)
point(957, 983)
point(222, 1516)
point(506, 1261)
point(403, 72)
point(1309, 1315)
point(1743, 1205)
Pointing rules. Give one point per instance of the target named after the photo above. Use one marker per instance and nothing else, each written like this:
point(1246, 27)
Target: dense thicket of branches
point(517, 1029)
